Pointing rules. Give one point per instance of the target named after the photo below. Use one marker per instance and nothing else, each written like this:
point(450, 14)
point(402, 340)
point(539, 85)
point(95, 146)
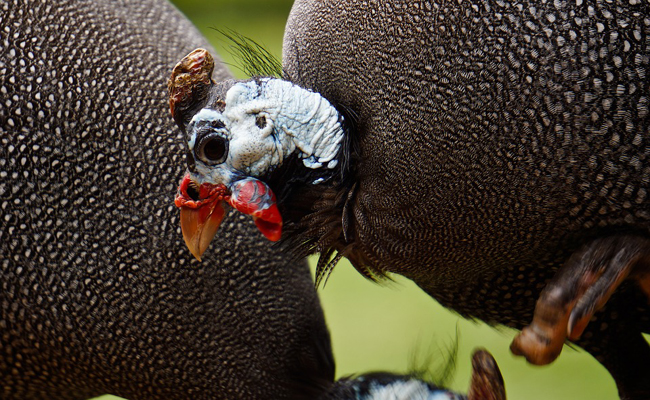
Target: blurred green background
point(395, 326)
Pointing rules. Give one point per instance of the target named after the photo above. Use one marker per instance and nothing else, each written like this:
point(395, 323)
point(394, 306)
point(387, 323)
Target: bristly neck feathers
point(316, 203)
point(318, 217)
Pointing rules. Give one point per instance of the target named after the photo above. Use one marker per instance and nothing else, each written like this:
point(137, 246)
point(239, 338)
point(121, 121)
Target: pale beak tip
point(200, 225)
point(192, 246)
point(196, 255)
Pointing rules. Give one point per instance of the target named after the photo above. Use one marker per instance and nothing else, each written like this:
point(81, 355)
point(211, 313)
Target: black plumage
point(98, 293)
point(496, 139)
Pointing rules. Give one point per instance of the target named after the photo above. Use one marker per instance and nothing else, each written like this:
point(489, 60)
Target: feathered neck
point(319, 217)
point(316, 203)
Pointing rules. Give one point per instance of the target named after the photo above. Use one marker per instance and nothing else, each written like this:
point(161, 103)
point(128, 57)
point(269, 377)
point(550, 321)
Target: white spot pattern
point(98, 292)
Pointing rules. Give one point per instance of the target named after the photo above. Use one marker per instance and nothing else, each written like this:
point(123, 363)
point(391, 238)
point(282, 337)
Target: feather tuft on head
point(255, 60)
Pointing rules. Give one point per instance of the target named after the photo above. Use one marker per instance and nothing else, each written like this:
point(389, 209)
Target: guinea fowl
point(98, 294)
point(492, 152)
point(97, 291)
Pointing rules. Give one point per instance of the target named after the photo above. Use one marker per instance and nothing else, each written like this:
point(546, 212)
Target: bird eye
point(213, 149)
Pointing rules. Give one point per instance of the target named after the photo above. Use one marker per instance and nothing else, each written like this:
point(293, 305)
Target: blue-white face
point(261, 124)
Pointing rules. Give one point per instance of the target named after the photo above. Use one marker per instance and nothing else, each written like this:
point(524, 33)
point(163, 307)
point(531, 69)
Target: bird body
point(98, 293)
point(481, 168)
point(496, 139)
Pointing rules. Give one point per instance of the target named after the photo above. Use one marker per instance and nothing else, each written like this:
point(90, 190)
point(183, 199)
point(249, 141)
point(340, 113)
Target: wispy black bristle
point(439, 364)
point(254, 59)
point(325, 265)
point(365, 386)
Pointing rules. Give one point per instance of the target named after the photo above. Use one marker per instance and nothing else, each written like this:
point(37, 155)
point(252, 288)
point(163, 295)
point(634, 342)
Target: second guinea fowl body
point(494, 149)
point(495, 139)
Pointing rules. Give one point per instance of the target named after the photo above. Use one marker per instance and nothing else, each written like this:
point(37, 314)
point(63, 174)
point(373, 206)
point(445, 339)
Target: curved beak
point(199, 225)
point(203, 209)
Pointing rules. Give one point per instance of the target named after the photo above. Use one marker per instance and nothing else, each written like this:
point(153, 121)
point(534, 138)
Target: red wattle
point(208, 193)
point(270, 230)
point(254, 197)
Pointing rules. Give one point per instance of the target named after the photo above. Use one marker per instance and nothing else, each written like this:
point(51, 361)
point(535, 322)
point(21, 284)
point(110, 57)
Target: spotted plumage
point(98, 293)
point(496, 139)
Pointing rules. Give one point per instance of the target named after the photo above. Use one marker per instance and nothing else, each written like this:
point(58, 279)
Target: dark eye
point(213, 149)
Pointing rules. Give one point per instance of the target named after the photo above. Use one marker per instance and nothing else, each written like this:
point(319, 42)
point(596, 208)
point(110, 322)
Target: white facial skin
point(408, 389)
point(291, 119)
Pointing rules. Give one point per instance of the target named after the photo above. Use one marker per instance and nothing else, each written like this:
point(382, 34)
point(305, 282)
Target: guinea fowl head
point(239, 135)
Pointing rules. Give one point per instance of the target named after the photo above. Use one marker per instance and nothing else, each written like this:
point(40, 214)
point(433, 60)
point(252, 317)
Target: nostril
point(193, 192)
point(260, 121)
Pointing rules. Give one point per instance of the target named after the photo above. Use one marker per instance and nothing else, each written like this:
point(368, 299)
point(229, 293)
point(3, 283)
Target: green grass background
point(388, 326)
